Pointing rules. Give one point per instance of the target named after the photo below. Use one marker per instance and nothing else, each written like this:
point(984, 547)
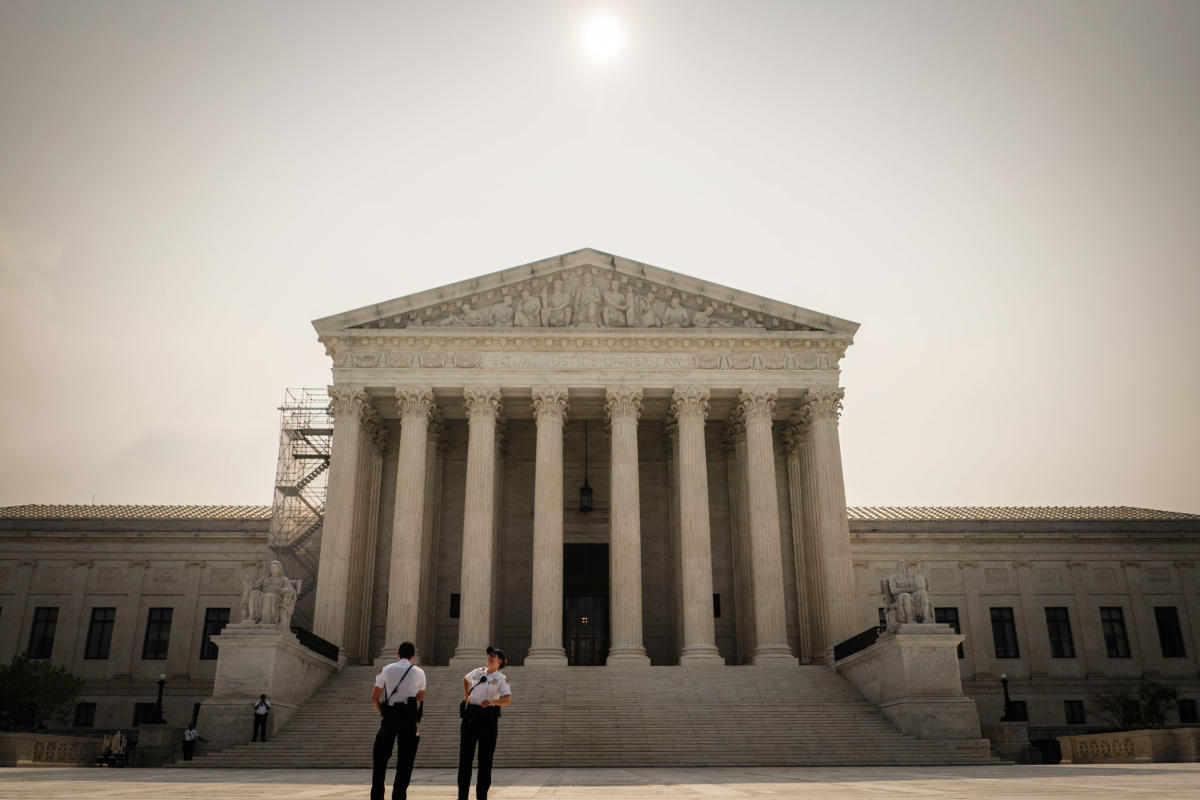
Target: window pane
point(85, 715)
point(41, 636)
point(100, 633)
point(158, 633)
point(1018, 711)
point(1187, 711)
point(1004, 633)
point(1112, 623)
point(1074, 712)
point(215, 620)
point(1058, 628)
point(1170, 635)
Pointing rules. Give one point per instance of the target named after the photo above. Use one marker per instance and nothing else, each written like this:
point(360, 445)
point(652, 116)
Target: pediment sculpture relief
point(586, 298)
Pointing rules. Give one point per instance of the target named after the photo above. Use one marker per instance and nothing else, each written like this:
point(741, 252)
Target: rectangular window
point(100, 633)
point(454, 606)
point(949, 616)
point(158, 633)
point(215, 620)
point(1004, 633)
point(1187, 710)
point(882, 619)
point(41, 636)
point(1018, 711)
point(1058, 628)
point(1112, 622)
point(143, 713)
point(85, 715)
point(716, 606)
point(1074, 712)
point(1170, 635)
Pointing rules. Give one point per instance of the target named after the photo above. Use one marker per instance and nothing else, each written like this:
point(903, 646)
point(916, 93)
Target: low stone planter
point(29, 749)
point(1125, 747)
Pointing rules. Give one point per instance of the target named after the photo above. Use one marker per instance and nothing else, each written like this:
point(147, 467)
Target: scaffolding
point(301, 477)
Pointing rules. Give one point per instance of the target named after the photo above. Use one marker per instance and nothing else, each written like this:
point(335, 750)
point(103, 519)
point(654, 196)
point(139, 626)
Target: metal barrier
point(858, 642)
point(316, 643)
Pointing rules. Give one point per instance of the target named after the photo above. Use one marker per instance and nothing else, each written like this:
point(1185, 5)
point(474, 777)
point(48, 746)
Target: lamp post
point(1007, 702)
point(158, 711)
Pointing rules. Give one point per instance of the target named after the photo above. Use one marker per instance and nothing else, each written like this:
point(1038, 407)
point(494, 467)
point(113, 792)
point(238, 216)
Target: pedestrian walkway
point(1112, 782)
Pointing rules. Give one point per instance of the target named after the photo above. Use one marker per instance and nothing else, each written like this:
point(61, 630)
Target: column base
point(627, 656)
point(701, 655)
point(774, 655)
point(545, 657)
point(468, 658)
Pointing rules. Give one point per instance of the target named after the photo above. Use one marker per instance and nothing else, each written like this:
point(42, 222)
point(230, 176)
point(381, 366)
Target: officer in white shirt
point(485, 692)
point(189, 740)
point(261, 709)
point(399, 691)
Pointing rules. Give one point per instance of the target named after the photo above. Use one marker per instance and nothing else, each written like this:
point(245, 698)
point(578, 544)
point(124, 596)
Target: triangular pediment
point(586, 289)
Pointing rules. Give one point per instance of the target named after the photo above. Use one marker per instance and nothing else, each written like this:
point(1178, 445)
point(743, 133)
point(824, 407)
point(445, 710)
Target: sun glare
point(602, 38)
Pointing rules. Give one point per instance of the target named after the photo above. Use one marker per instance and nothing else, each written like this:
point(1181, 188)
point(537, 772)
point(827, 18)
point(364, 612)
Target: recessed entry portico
point(458, 454)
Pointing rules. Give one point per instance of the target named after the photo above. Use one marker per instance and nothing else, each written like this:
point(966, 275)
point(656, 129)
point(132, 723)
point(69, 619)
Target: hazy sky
point(1005, 195)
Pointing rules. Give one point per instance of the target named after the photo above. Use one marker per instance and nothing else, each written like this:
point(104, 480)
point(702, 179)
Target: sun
point(602, 38)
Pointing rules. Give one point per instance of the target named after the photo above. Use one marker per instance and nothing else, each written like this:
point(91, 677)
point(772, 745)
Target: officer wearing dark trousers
point(485, 691)
point(399, 691)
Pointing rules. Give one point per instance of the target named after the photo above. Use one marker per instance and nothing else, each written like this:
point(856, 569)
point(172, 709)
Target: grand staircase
point(609, 717)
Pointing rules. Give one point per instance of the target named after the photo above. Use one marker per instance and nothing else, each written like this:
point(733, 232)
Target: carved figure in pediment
point(702, 318)
point(676, 315)
point(588, 299)
point(615, 306)
point(641, 313)
point(556, 306)
point(749, 321)
point(501, 315)
point(529, 311)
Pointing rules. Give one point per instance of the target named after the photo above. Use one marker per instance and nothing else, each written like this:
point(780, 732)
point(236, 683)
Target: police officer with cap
point(399, 690)
point(485, 692)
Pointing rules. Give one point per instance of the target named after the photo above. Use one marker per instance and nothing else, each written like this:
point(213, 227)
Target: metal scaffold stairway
point(301, 475)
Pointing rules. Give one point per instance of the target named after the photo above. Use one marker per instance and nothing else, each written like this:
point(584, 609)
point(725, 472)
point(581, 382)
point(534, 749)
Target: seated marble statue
point(906, 595)
point(271, 599)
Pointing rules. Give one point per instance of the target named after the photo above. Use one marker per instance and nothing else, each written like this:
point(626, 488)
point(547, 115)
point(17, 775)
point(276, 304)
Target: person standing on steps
point(485, 692)
point(261, 709)
point(397, 696)
point(189, 740)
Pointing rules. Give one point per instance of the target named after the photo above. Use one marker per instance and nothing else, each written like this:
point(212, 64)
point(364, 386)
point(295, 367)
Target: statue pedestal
point(252, 660)
point(911, 673)
point(1010, 740)
point(157, 745)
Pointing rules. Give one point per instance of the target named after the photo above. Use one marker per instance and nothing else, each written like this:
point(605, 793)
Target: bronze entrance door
point(585, 603)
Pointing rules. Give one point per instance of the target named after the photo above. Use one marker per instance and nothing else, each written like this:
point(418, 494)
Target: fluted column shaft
point(624, 406)
point(690, 406)
point(810, 650)
point(483, 407)
point(770, 610)
point(337, 530)
point(825, 512)
point(407, 566)
point(546, 645)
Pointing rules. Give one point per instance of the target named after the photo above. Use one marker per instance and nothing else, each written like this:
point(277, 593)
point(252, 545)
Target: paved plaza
point(1110, 782)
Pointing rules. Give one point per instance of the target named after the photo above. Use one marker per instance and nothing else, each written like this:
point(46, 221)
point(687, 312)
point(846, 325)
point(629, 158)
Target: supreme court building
point(588, 460)
point(703, 419)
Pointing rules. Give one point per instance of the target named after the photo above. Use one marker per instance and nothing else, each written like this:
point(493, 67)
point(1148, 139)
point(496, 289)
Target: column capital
point(690, 403)
point(822, 403)
point(757, 404)
point(347, 400)
point(373, 431)
point(550, 402)
point(483, 402)
point(623, 404)
point(414, 403)
point(793, 435)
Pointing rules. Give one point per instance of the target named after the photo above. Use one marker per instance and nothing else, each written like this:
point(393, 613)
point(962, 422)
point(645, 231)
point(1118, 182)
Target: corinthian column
point(766, 557)
point(624, 406)
point(550, 409)
point(478, 542)
point(348, 403)
point(690, 406)
point(826, 526)
point(407, 564)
